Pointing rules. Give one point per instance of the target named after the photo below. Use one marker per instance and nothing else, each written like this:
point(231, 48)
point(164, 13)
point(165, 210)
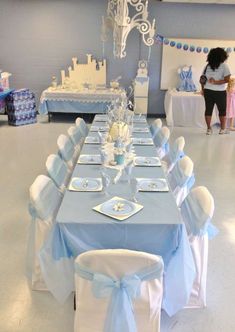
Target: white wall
point(39, 38)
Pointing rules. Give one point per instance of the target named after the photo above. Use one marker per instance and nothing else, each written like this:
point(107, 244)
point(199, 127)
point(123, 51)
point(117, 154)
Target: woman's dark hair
point(216, 56)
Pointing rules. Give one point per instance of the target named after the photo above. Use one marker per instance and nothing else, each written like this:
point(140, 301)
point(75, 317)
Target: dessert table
point(186, 109)
point(156, 229)
point(58, 100)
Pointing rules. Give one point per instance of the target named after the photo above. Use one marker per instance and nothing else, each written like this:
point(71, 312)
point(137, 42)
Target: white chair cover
point(44, 203)
point(118, 290)
point(76, 137)
point(181, 179)
point(197, 211)
point(155, 127)
point(66, 150)
point(82, 125)
point(161, 141)
point(176, 152)
point(58, 171)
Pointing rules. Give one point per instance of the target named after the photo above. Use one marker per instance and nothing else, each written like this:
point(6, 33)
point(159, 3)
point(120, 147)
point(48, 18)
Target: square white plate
point(92, 140)
point(142, 141)
point(154, 184)
point(140, 130)
point(147, 161)
point(101, 117)
point(89, 159)
point(99, 128)
point(85, 184)
point(138, 119)
point(118, 208)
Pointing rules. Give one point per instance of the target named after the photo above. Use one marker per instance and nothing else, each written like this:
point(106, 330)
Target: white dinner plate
point(89, 159)
point(154, 184)
point(101, 117)
point(118, 208)
point(139, 119)
point(85, 184)
point(142, 141)
point(140, 130)
point(99, 128)
point(147, 161)
point(92, 140)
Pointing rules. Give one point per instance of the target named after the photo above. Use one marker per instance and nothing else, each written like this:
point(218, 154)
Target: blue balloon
point(166, 41)
point(185, 47)
point(192, 48)
point(199, 49)
point(172, 43)
point(179, 45)
point(205, 50)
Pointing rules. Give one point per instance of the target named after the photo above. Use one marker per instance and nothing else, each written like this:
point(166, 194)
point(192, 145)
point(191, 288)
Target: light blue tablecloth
point(156, 229)
point(51, 106)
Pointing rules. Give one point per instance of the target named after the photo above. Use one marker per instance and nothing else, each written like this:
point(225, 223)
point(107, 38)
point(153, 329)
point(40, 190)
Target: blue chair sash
point(58, 172)
point(197, 220)
point(180, 179)
point(160, 140)
point(154, 130)
point(120, 315)
point(174, 155)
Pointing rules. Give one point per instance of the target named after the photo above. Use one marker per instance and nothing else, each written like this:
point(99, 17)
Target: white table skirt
point(186, 109)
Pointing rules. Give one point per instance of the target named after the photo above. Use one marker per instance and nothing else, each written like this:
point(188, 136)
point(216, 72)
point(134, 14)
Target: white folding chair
point(120, 289)
point(82, 125)
point(44, 203)
point(66, 150)
point(197, 211)
point(155, 127)
point(176, 152)
point(161, 141)
point(76, 137)
point(181, 179)
point(58, 171)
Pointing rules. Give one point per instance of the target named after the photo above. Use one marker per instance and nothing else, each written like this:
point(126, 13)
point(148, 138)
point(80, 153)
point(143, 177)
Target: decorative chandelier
point(119, 20)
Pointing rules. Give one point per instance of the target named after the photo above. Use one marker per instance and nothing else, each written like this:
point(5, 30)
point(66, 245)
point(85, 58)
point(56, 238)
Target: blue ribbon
point(197, 220)
point(180, 179)
point(154, 129)
point(120, 314)
point(174, 155)
point(160, 140)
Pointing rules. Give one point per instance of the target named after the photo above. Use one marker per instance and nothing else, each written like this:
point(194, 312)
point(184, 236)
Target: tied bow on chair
point(120, 314)
point(122, 292)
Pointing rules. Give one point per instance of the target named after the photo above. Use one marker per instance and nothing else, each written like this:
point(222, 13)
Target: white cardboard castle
point(92, 73)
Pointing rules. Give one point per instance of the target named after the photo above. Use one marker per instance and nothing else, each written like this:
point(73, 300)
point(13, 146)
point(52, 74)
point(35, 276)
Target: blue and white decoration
point(21, 107)
point(186, 47)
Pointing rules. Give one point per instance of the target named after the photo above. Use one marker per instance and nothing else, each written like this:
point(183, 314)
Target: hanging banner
point(186, 47)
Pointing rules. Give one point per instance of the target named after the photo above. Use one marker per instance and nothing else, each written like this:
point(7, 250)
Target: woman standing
point(214, 90)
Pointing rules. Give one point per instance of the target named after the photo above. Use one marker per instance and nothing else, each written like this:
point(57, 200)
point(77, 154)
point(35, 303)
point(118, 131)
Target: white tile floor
point(23, 154)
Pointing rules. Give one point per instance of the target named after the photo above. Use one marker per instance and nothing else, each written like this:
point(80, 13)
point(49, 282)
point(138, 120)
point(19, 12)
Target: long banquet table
point(156, 229)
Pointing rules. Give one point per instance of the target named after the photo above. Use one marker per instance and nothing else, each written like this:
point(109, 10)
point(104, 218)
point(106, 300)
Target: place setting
point(99, 128)
point(142, 141)
point(85, 184)
point(147, 161)
point(118, 208)
point(101, 118)
point(92, 140)
point(87, 159)
point(140, 130)
point(152, 184)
